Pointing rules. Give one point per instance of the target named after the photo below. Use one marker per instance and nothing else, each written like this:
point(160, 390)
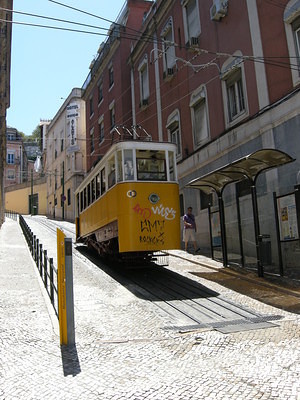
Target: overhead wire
point(265, 60)
point(54, 19)
point(139, 36)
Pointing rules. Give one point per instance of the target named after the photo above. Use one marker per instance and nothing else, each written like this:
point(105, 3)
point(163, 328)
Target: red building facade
point(107, 89)
point(220, 78)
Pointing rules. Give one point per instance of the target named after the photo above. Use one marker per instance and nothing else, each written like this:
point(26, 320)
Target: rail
point(45, 265)
point(11, 214)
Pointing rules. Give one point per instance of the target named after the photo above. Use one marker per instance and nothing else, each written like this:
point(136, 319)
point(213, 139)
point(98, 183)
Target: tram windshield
point(151, 165)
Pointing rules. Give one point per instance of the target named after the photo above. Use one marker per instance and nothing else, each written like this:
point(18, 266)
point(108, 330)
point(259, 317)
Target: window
point(55, 148)
point(128, 165)
point(235, 95)
point(11, 136)
point(234, 90)
point(111, 76)
point(81, 202)
point(103, 181)
point(151, 165)
point(173, 127)
point(55, 179)
point(10, 158)
point(292, 28)
point(171, 166)
point(199, 117)
point(62, 145)
point(93, 189)
point(144, 82)
point(85, 203)
point(168, 49)
point(111, 172)
point(91, 107)
point(98, 186)
point(101, 129)
point(191, 20)
point(199, 123)
point(119, 166)
point(92, 140)
point(11, 176)
point(297, 41)
point(112, 115)
point(100, 92)
point(69, 196)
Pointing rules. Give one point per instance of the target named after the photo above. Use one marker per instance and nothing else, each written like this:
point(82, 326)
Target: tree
point(34, 137)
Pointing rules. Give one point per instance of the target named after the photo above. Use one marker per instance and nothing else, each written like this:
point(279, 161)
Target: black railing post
point(45, 269)
point(51, 282)
point(41, 260)
point(37, 252)
point(33, 247)
point(31, 241)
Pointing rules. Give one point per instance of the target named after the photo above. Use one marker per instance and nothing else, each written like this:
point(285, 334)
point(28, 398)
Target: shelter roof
point(248, 167)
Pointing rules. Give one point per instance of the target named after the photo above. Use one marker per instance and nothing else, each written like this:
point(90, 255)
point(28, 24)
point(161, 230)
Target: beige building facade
point(27, 198)
point(64, 156)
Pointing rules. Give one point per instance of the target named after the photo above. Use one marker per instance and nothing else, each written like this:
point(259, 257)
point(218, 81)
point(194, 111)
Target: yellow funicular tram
point(128, 205)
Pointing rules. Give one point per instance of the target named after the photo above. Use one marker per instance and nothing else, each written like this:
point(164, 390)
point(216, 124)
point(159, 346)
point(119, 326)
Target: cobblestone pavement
point(122, 349)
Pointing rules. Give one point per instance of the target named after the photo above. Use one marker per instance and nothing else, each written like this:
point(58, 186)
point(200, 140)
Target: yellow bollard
point(61, 287)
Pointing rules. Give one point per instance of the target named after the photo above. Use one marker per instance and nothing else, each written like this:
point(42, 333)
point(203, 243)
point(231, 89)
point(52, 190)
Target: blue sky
point(46, 63)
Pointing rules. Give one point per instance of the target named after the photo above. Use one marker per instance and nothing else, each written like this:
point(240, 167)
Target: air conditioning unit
point(218, 9)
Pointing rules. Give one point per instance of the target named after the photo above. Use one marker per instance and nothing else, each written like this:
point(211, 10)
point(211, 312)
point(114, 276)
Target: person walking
point(189, 229)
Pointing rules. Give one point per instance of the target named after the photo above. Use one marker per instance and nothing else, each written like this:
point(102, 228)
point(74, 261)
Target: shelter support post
point(223, 230)
point(260, 270)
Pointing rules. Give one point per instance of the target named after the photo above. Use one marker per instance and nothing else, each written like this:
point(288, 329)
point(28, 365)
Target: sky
point(46, 64)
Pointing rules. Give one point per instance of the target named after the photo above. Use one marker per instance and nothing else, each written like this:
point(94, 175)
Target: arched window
point(292, 28)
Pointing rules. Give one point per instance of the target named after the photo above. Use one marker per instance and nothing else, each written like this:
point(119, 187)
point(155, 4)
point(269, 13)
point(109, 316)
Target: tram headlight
point(154, 198)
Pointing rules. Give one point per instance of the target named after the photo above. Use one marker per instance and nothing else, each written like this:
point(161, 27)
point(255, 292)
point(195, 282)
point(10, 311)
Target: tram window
point(97, 186)
point(171, 165)
point(111, 172)
point(103, 183)
point(151, 166)
point(128, 165)
point(93, 190)
point(77, 204)
point(81, 201)
point(84, 198)
point(88, 194)
point(119, 167)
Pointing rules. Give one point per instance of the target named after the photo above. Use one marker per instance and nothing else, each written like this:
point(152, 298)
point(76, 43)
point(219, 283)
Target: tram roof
point(126, 144)
point(248, 167)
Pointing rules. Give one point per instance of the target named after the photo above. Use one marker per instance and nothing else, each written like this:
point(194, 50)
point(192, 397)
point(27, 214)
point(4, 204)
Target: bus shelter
point(248, 167)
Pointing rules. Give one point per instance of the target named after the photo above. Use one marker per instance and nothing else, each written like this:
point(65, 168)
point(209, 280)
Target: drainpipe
point(133, 99)
point(157, 90)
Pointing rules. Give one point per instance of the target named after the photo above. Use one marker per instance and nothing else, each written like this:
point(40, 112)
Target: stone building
point(16, 170)
point(5, 62)
point(64, 156)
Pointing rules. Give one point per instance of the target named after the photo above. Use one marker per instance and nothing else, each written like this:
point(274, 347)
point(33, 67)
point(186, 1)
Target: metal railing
point(45, 265)
point(11, 214)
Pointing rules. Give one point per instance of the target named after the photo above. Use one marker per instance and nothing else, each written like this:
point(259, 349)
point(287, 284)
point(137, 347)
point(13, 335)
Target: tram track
point(183, 302)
